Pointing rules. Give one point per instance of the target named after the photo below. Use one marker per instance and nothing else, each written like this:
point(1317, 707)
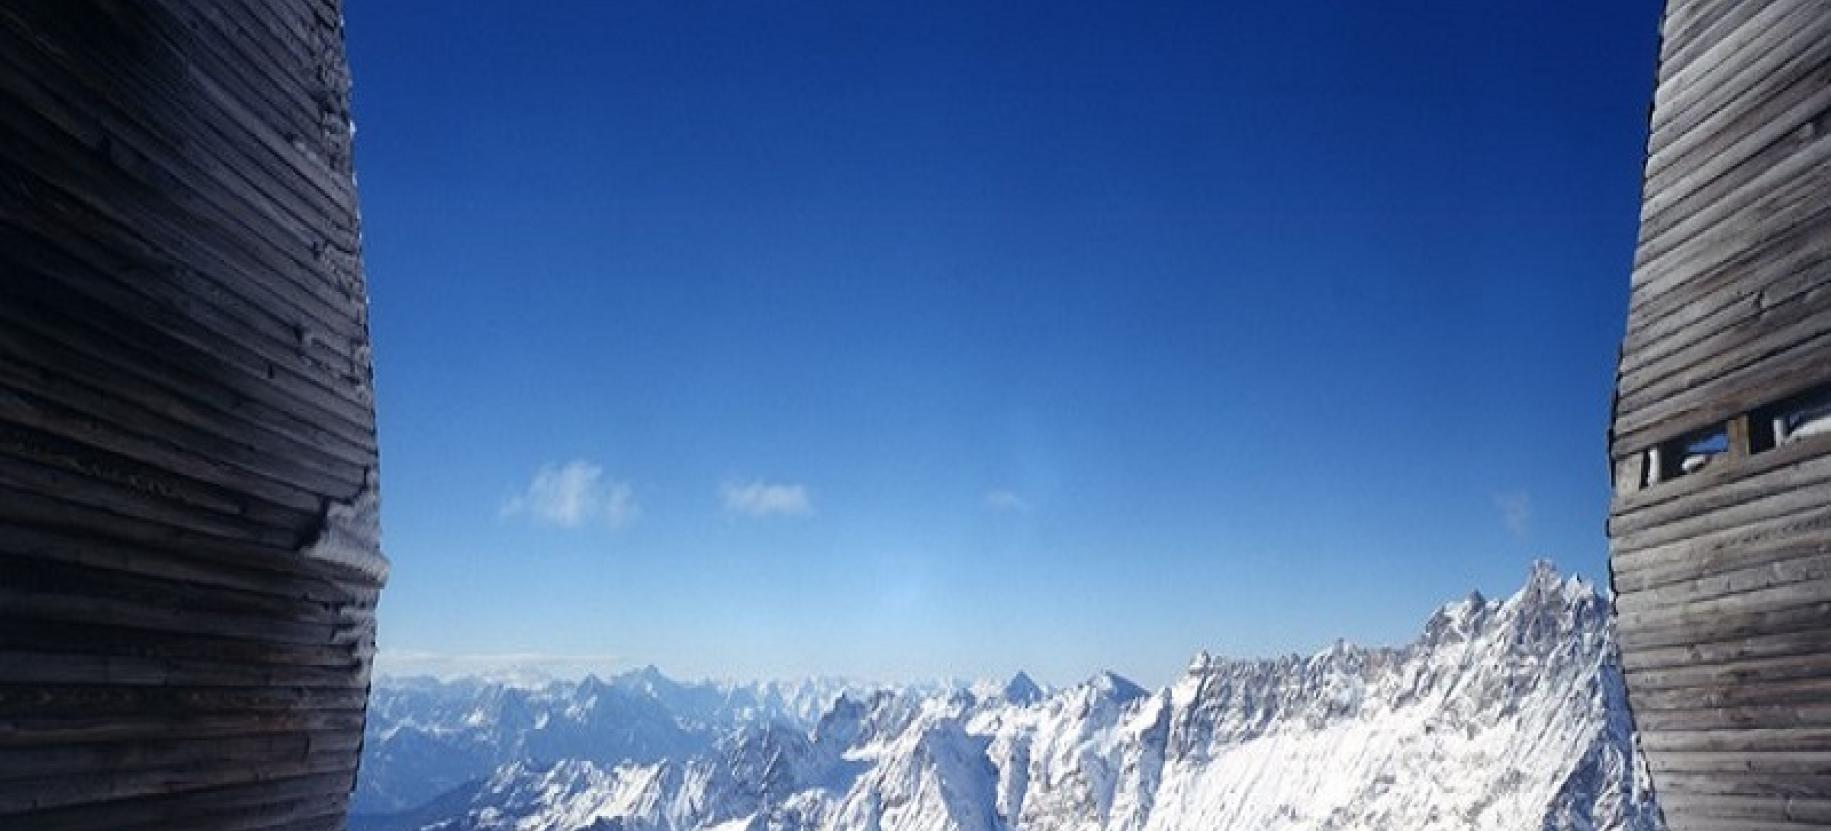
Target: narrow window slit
point(1685, 455)
point(1794, 419)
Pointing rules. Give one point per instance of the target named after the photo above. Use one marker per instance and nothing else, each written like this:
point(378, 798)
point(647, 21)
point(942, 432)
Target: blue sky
point(918, 339)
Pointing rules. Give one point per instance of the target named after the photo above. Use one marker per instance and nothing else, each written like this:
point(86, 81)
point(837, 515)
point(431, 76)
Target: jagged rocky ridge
point(1502, 715)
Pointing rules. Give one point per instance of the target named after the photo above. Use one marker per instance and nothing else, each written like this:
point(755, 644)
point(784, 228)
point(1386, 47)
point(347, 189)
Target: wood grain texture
point(1723, 577)
point(189, 558)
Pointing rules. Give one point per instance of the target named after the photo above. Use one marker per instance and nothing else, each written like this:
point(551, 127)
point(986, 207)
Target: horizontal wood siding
point(189, 562)
point(1723, 577)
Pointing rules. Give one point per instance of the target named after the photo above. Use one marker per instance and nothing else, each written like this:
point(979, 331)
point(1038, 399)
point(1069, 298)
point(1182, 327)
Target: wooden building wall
point(1724, 571)
point(188, 549)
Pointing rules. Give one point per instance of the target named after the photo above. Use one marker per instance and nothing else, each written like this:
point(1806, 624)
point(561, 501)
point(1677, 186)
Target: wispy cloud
point(761, 499)
point(573, 494)
point(1006, 501)
point(1515, 512)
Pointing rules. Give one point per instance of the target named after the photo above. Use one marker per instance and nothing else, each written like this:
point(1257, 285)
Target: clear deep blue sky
point(917, 339)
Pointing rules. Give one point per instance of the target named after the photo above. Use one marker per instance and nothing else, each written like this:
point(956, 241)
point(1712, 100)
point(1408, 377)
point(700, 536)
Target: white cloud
point(1515, 512)
point(573, 494)
point(760, 499)
point(1005, 501)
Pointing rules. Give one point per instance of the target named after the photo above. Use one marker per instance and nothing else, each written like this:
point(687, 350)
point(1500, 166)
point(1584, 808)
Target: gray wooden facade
point(189, 560)
point(1720, 528)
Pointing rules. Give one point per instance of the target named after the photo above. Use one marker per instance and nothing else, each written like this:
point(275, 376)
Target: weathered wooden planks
point(1723, 576)
point(189, 562)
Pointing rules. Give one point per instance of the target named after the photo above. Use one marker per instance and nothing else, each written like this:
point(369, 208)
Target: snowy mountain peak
point(1551, 609)
point(1543, 572)
point(1021, 690)
point(591, 684)
point(1549, 604)
point(1456, 621)
point(646, 675)
point(1117, 687)
point(1547, 588)
point(1503, 714)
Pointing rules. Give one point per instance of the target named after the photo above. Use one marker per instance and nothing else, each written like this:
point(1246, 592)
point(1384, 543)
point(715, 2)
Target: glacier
point(1502, 714)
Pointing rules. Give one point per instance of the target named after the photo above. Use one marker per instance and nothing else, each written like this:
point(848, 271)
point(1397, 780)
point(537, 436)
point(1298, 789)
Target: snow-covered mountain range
point(1501, 715)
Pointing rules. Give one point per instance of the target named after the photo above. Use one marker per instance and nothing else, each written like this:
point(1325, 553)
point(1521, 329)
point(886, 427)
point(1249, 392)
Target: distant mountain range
point(1501, 715)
